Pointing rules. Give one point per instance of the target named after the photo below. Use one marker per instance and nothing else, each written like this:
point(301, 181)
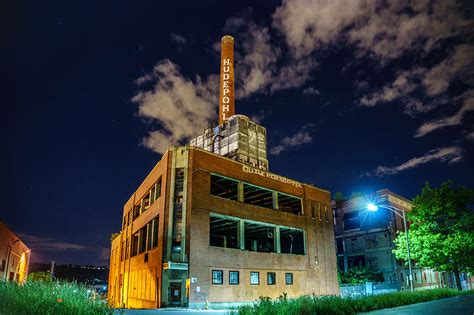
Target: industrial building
point(365, 239)
point(210, 225)
point(14, 256)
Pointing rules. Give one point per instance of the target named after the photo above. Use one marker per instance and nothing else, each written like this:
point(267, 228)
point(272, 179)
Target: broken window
point(146, 201)
point(258, 196)
point(292, 241)
point(224, 187)
point(259, 238)
point(224, 232)
point(136, 211)
point(356, 261)
point(143, 233)
point(135, 238)
point(289, 204)
point(351, 220)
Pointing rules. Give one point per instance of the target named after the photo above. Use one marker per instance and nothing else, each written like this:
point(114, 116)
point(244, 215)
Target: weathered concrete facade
point(295, 253)
point(14, 256)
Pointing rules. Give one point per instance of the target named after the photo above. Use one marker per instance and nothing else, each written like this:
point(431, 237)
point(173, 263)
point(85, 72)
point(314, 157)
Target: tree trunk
point(457, 279)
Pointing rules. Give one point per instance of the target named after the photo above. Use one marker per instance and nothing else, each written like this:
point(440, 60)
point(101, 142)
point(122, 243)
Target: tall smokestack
point(226, 99)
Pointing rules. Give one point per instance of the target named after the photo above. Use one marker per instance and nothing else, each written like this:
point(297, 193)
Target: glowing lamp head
point(372, 207)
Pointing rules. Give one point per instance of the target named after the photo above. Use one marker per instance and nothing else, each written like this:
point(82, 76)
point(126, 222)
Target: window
point(142, 233)
point(292, 241)
point(149, 236)
point(326, 215)
point(233, 277)
point(136, 211)
point(152, 193)
point(259, 237)
point(320, 211)
point(313, 209)
point(254, 278)
point(271, 278)
point(134, 245)
point(154, 240)
point(351, 220)
point(146, 201)
point(339, 246)
point(289, 204)
point(289, 278)
point(224, 232)
point(258, 196)
point(158, 189)
point(127, 248)
point(224, 187)
point(217, 277)
point(2, 267)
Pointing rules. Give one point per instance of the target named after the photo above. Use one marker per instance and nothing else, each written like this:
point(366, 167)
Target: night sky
point(355, 96)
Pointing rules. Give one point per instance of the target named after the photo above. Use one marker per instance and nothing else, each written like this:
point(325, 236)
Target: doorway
point(175, 291)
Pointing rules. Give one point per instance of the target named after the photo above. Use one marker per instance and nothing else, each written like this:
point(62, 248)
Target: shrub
point(40, 297)
point(334, 305)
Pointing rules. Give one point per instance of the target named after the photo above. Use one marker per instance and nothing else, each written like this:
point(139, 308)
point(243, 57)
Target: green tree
point(339, 199)
point(40, 276)
point(441, 233)
point(359, 275)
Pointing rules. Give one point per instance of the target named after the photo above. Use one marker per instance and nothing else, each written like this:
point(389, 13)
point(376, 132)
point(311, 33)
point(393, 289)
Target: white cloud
point(178, 39)
point(452, 154)
point(182, 107)
point(297, 139)
point(310, 91)
point(453, 120)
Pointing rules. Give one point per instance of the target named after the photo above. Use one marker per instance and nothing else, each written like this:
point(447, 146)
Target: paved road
point(458, 305)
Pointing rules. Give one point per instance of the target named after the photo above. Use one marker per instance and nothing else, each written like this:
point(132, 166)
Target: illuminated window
point(254, 278)
point(217, 277)
point(271, 278)
point(233, 277)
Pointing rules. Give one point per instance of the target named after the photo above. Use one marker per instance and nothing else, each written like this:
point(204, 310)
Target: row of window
point(144, 239)
point(145, 202)
point(232, 232)
point(218, 277)
point(228, 188)
point(317, 210)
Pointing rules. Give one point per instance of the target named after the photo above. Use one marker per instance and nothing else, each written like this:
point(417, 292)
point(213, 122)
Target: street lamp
point(373, 208)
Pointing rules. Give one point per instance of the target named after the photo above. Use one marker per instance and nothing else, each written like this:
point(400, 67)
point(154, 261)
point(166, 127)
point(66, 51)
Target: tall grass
point(336, 305)
point(39, 297)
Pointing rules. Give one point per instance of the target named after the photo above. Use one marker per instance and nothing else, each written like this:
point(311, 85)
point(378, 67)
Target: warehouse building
point(210, 225)
point(14, 256)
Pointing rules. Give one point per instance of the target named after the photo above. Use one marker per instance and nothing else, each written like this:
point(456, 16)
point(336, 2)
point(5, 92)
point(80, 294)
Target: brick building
point(14, 256)
point(203, 228)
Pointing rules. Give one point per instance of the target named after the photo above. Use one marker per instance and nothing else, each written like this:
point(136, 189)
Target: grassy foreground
point(338, 305)
point(38, 297)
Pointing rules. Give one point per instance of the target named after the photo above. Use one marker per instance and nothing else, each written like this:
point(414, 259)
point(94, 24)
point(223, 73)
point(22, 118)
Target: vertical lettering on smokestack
point(226, 99)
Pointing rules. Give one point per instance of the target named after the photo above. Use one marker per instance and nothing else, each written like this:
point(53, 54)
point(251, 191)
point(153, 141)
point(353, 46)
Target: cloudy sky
point(356, 96)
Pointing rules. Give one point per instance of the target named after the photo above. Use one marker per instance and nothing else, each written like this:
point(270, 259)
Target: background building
point(365, 239)
point(204, 228)
point(14, 256)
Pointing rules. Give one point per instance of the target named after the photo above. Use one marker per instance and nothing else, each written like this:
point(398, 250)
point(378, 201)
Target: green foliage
point(333, 305)
point(441, 234)
point(339, 199)
point(359, 275)
point(40, 297)
point(40, 276)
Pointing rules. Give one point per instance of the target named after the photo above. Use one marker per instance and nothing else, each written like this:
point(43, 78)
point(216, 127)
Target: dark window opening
point(178, 211)
point(351, 220)
point(143, 233)
point(289, 204)
point(292, 241)
point(233, 277)
point(136, 211)
point(149, 236)
point(154, 240)
point(271, 278)
point(326, 215)
point(313, 210)
point(259, 238)
point(152, 193)
point(258, 196)
point(356, 261)
point(289, 278)
point(339, 246)
point(254, 278)
point(224, 187)
point(217, 277)
point(224, 232)
point(134, 245)
point(146, 201)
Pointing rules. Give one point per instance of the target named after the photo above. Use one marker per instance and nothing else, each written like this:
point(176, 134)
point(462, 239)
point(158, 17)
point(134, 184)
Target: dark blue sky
point(356, 98)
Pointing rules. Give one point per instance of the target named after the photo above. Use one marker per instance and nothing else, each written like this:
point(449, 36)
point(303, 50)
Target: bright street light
point(372, 207)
